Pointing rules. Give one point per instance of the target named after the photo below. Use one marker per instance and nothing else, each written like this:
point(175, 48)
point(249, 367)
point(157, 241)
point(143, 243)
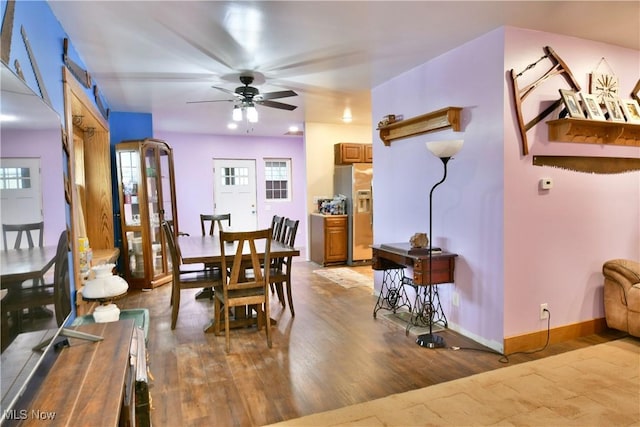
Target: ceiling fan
point(248, 96)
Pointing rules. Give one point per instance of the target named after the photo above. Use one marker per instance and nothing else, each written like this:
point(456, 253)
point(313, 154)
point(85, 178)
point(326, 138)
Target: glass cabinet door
point(166, 182)
point(129, 163)
point(154, 206)
point(130, 178)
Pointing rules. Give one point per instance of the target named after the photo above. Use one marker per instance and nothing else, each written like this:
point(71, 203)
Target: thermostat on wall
point(546, 183)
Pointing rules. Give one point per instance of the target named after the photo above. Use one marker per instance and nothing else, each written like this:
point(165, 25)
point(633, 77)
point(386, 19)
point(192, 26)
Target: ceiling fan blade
point(279, 94)
point(230, 92)
point(214, 100)
point(276, 104)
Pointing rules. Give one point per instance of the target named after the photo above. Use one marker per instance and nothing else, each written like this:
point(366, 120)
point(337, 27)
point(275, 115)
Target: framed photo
point(631, 110)
point(635, 92)
point(570, 99)
point(613, 108)
point(592, 106)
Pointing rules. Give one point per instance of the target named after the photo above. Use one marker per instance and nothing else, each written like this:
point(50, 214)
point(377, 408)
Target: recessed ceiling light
point(232, 126)
point(293, 129)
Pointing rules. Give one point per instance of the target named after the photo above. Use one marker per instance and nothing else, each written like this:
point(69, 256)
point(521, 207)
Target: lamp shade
point(237, 114)
point(445, 148)
point(105, 284)
point(252, 114)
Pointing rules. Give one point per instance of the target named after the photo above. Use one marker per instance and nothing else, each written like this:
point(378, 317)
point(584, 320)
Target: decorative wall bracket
point(520, 94)
point(448, 117)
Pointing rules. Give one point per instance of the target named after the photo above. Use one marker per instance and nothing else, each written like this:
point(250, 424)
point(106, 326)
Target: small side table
point(398, 255)
point(392, 295)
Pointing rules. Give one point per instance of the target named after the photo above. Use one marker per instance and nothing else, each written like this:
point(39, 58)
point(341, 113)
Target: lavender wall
point(468, 207)
point(557, 241)
point(517, 247)
point(193, 158)
point(46, 146)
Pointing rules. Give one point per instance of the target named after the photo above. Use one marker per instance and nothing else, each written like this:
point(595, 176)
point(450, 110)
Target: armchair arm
point(622, 271)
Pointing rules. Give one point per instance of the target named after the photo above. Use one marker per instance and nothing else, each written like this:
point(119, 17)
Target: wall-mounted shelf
point(594, 132)
point(448, 117)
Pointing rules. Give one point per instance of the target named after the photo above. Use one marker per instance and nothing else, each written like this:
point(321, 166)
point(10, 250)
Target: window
point(277, 177)
point(235, 176)
point(15, 178)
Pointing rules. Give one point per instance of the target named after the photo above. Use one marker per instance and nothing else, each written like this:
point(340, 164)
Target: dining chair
point(179, 233)
point(276, 226)
point(184, 279)
point(212, 220)
point(280, 272)
point(41, 295)
point(236, 289)
point(28, 229)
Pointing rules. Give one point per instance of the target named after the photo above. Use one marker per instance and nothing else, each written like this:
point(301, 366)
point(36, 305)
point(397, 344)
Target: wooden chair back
point(276, 226)
point(281, 267)
point(288, 232)
point(213, 220)
point(61, 280)
point(27, 229)
point(238, 290)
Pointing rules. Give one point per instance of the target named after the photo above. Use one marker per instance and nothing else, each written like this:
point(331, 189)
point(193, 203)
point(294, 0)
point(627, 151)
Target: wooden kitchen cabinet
point(328, 237)
point(346, 153)
point(368, 153)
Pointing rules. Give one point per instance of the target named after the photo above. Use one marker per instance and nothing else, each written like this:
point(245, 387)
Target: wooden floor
point(332, 354)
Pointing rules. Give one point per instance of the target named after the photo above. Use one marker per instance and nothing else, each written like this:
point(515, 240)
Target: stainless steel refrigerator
point(355, 183)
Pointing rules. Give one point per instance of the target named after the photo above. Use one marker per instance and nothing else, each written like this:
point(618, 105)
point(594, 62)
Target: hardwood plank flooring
point(332, 354)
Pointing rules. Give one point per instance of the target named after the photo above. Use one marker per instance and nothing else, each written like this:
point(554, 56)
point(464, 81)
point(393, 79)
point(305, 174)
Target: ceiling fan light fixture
point(252, 114)
point(237, 114)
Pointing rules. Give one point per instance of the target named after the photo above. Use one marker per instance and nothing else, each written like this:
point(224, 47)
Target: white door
point(234, 192)
point(20, 193)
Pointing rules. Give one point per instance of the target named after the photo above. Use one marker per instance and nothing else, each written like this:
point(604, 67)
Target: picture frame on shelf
point(631, 110)
point(613, 108)
point(635, 92)
point(592, 106)
point(572, 104)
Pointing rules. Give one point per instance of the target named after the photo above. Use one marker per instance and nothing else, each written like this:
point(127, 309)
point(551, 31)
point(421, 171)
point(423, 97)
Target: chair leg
point(217, 312)
point(227, 336)
point(280, 294)
point(267, 319)
point(290, 298)
point(176, 306)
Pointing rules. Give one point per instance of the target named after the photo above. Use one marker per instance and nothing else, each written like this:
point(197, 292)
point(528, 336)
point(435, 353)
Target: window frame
point(289, 182)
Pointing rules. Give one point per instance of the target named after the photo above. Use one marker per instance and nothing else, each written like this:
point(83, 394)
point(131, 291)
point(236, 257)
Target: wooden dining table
point(19, 265)
point(206, 249)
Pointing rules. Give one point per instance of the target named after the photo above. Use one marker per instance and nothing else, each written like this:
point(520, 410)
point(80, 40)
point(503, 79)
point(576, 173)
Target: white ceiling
point(155, 56)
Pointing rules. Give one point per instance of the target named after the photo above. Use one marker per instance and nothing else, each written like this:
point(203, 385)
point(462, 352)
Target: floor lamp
point(444, 150)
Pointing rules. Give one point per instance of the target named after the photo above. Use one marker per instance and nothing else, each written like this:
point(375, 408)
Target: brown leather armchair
point(622, 295)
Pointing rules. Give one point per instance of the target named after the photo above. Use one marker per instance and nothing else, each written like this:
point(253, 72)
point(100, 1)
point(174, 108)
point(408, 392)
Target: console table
point(86, 384)
point(398, 256)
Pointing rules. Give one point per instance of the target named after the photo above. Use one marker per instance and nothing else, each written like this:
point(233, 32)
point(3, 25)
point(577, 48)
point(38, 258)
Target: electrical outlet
point(544, 313)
